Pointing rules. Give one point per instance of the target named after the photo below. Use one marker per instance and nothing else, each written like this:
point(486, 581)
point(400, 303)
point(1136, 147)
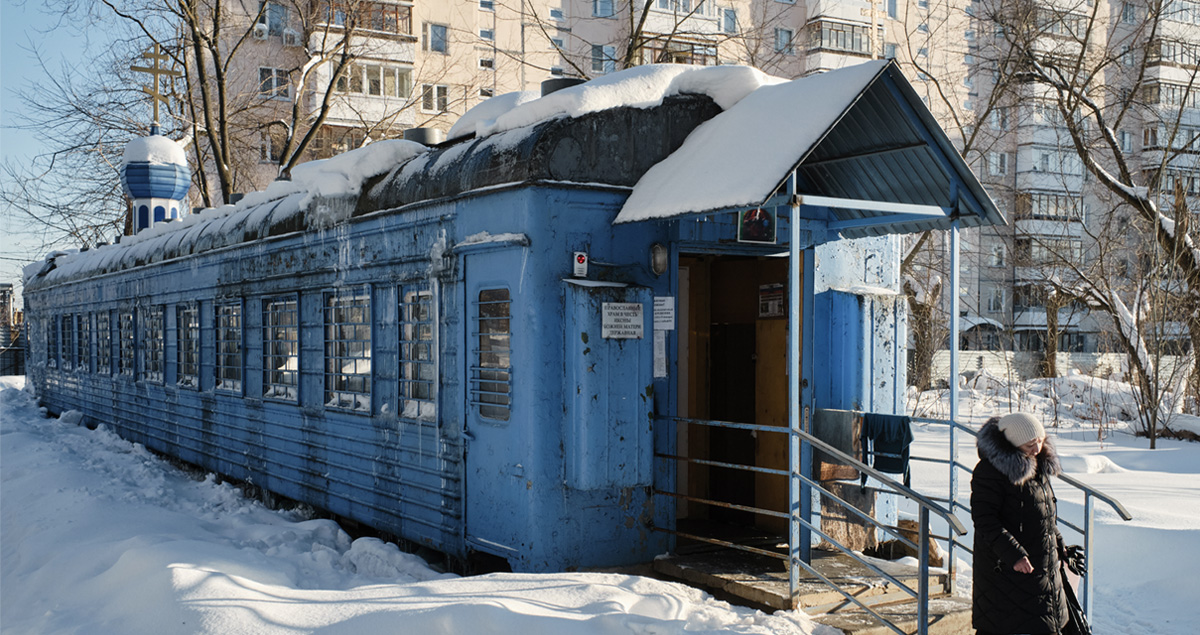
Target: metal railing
point(1086, 530)
point(801, 525)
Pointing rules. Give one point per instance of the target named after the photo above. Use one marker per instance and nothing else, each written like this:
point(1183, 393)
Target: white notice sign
point(664, 313)
point(622, 320)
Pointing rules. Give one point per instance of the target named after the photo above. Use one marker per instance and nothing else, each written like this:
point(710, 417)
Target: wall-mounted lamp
point(659, 258)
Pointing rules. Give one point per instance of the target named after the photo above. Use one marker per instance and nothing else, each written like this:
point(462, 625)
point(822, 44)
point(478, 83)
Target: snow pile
point(154, 149)
point(100, 536)
point(638, 87)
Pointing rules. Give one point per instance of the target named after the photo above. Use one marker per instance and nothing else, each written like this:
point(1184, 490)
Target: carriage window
point(187, 351)
point(152, 344)
point(417, 368)
point(281, 348)
point(126, 361)
point(52, 342)
point(68, 342)
point(229, 346)
point(348, 351)
point(491, 378)
point(104, 350)
point(84, 341)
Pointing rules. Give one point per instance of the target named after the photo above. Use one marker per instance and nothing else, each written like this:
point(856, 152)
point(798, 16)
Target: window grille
point(85, 342)
point(418, 369)
point(491, 376)
point(127, 343)
point(228, 331)
point(52, 350)
point(281, 348)
point(187, 350)
point(348, 351)
point(68, 342)
point(104, 351)
point(152, 344)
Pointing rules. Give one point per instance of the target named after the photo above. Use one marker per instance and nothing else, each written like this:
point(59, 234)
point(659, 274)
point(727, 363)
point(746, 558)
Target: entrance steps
point(763, 581)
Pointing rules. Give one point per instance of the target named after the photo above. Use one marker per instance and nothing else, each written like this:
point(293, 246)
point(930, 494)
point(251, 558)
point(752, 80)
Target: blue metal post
point(1086, 586)
point(954, 282)
point(799, 495)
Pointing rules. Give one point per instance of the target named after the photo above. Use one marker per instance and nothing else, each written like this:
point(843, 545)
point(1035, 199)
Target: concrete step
point(947, 616)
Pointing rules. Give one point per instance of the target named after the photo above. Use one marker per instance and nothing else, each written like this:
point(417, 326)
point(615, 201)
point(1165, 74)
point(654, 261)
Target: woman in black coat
point(1017, 585)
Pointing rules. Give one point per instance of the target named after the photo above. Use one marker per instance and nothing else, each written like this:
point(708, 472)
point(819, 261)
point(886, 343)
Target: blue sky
point(22, 26)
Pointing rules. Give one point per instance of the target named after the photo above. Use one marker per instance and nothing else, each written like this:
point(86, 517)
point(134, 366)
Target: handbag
point(1078, 623)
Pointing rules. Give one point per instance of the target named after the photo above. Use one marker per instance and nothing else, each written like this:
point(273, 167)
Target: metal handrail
point(925, 504)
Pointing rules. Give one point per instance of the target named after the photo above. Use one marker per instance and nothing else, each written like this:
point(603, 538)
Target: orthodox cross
point(156, 55)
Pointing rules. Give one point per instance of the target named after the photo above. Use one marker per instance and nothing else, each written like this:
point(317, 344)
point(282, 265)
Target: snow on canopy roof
point(154, 149)
point(872, 136)
point(313, 182)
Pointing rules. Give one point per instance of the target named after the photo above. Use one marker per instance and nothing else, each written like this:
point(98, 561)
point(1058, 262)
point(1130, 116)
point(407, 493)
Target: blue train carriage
point(490, 346)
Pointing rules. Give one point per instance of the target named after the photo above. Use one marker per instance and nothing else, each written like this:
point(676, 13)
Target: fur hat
point(1021, 428)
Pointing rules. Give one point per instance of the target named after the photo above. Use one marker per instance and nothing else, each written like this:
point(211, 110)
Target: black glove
point(1074, 557)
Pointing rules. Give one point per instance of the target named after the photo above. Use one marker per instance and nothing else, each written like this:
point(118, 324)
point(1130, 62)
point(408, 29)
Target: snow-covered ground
point(99, 536)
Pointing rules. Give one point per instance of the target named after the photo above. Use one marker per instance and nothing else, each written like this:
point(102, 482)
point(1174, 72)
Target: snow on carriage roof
point(343, 175)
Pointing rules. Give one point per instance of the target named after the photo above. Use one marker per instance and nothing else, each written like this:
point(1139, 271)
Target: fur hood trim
point(1010, 461)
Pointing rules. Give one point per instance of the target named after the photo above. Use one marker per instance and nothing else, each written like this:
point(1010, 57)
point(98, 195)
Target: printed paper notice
point(660, 353)
point(622, 321)
point(664, 313)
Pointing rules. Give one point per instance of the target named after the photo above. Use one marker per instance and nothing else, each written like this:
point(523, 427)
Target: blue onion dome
point(155, 167)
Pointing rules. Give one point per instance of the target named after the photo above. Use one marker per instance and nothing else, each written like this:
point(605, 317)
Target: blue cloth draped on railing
point(885, 443)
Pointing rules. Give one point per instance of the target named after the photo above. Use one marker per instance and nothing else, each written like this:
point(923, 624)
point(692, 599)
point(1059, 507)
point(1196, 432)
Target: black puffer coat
point(1014, 511)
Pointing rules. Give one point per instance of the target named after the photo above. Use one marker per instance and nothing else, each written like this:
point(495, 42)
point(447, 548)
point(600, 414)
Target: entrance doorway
point(733, 368)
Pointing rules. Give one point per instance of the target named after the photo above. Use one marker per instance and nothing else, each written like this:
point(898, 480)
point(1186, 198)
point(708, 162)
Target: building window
point(923, 27)
point(487, 34)
point(556, 71)
point(52, 346)
point(418, 369)
point(1128, 13)
point(557, 14)
point(996, 300)
point(783, 41)
point(273, 83)
point(604, 59)
point(729, 20)
point(152, 344)
point(602, 8)
point(187, 350)
point(486, 93)
point(922, 52)
point(891, 9)
point(487, 62)
point(997, 163)
point(104, 352)
point(437, 39)
point(837, 36)
point(281, 348)
point(1000, 118)
point(380, 80)
point(274, 17)
point(557, 43)
point(889, 51)
point(1125, 140)
point(487, 5)
point(85, 342)
point(435, 98)
point(348, 351)
point(270, 145)
point(228, 331)
point(491, 377)
point(996, 257)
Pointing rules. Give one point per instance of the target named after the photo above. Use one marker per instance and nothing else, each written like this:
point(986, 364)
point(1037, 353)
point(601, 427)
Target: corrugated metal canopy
point(883, 149)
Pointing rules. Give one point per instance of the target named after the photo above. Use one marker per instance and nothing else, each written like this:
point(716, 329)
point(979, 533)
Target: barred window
point(152, 344)
point(68, 342)
point(348, 351)
point(491, 377)
point(127, 344)
point(52, 342)
point(104, 351)
point(281, 348)
point(418, 371)
point(187, 350)
point(84, 342)
point(229, 346)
